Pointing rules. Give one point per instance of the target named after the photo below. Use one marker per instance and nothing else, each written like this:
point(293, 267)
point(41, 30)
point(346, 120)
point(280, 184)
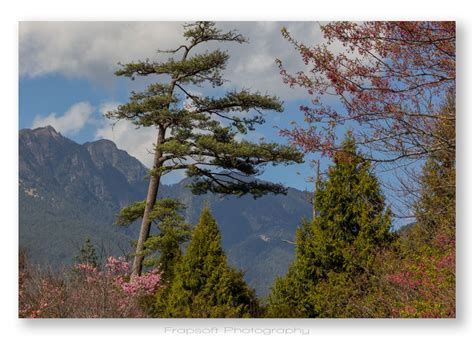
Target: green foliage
point(87, 254)
point(202, 130)
point(173, 231)
point(130, 213)
point(436, 208)
point(336, 251)
point(421, 277)
point(73, 216)
point(198, 133)
point(204, 285)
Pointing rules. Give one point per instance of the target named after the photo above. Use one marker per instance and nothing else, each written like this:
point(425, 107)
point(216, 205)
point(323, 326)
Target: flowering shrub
point(425, 286)
point(88, 292)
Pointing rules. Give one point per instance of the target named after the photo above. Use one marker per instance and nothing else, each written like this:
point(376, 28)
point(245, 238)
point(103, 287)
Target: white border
point(19, 10)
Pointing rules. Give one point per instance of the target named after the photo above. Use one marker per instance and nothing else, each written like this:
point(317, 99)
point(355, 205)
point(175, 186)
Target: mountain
point(69, 191)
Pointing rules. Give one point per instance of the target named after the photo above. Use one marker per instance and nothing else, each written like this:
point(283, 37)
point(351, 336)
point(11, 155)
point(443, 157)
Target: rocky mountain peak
point(47, 131)
point(105, 153)
point(74, 191)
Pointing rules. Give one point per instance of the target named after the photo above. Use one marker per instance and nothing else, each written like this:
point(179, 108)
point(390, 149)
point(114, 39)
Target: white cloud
point(253, 64)
point(92, 50)
point(137, 142)
point(71, 122)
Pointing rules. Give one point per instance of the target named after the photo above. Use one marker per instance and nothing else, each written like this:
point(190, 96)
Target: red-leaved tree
point(389, 80)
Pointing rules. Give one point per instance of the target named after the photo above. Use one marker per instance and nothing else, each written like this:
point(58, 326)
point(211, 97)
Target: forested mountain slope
point(69, 192)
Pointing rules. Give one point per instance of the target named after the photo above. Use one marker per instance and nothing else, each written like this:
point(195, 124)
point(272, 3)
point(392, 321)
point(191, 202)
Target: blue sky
point(67, 81)
point(53, 96)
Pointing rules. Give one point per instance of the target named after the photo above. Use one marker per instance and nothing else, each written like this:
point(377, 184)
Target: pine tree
point(335, 252)
point(204, 285)
point(196, 132)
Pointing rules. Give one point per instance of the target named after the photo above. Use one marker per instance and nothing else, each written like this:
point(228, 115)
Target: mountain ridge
point(70, 191)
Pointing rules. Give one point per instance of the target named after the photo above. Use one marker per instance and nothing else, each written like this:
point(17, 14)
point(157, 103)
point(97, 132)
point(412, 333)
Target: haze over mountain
point(69, 192)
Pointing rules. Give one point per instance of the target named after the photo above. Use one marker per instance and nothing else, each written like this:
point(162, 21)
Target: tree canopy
point(385, 79)
point(198, 133)
point(201, 133)
point(335, 251)
point(205, 286)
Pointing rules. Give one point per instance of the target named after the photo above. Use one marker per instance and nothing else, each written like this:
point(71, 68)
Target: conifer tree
point(196, 132)
point(204, 285)
point(289, 295)
point(87, 254)
point(335, 252)
point(436, 207)
point(421, 280)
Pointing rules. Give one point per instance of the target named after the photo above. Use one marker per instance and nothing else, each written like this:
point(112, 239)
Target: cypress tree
point(335, 252)
point(87, 254)
point(428, 247)
point(195, 132)
point(436, 208)
point(289, 295)
point(204, 285)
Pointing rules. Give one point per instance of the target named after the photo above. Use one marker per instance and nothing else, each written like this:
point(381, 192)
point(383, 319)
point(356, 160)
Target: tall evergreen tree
point(200, 135)
point(436, 207)
point(421, 281)
point(204, 285)
point(289, 296)
point(87, 254)
point(334, 252)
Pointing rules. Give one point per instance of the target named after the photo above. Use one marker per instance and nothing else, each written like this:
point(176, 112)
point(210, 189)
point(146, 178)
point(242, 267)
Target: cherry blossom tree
point(384, 80)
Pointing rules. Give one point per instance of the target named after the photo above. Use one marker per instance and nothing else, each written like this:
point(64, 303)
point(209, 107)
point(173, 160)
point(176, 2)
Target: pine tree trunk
point(150, 203)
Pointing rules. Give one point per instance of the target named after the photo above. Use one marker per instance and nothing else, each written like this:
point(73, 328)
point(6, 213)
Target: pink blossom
point(95, 292)
point(117, 266)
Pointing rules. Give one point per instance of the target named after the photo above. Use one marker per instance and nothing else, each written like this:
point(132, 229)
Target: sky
point(67, 80)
